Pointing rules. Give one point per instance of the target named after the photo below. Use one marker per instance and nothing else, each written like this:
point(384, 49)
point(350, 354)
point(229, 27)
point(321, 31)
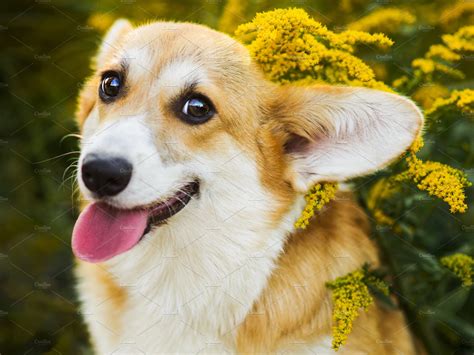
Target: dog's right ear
point(111, 39)
point(333, 133)
point(88, 94)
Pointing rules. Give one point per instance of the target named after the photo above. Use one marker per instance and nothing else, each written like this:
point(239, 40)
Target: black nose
point(106, 176)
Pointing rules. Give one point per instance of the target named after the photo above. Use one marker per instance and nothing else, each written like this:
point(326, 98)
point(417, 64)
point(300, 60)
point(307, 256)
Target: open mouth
point(159, 212)
point(103, 231)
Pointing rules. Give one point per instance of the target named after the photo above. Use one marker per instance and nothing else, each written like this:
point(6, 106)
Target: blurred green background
point(46, 50)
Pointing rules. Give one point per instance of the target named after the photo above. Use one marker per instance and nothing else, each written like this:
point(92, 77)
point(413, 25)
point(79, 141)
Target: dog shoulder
point(296, 306)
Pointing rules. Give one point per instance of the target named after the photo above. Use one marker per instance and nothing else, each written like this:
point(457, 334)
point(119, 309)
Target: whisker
point(182, 202)
point(186, 193)
point(72, 165)
point(75, 135)
point(66, 180)
point(168, 207)
point(57, 157)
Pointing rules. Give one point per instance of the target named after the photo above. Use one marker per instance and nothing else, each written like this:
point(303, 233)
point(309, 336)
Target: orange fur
point(98, 281)
point(296, 306)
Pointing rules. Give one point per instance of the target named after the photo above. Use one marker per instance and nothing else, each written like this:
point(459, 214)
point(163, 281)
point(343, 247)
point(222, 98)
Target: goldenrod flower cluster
point(349, 5)
point(349, 294)
point(382, 218)
point(462, 100)
point(461, 265)
point(386, 20)
point(437, 179)
point(427, 94)
point(417, 144)
point(440, 57)
point(462, 40)
point(232, 15)
point(442, 52)
point(461, 12)
point(401, 82)
point(290, 46)
point(382, 190)
point(316, 198)
point(101, 21)
point(440, 180)
point(429, 66)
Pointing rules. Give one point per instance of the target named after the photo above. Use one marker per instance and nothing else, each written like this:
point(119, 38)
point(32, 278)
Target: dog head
point(181, 132)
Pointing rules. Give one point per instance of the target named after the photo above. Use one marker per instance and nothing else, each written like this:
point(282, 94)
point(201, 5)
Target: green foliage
point(46, 50)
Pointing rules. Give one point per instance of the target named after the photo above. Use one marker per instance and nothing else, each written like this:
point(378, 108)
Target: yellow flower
point(316, 198)
point(101, 21)
point(426, 95)
point(232, 15)
point(440, 180)
point(461, 265)
point(400, 82)
point(442, 52)
point(382, 219)
point(387, 20)
point(417, 144)
point(461, 12)
point(349, 294)
point(429, 67)
point(382, 190)
point(440, 60)
point(461, 41)
point(349, 5)
point(462, 100)
point(290, 46)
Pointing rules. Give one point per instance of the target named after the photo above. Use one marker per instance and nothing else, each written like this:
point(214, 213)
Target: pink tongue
point(102, 231)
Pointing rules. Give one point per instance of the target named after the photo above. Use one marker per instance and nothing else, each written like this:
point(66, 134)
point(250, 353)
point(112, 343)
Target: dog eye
point(197, 109)
point(110, 85)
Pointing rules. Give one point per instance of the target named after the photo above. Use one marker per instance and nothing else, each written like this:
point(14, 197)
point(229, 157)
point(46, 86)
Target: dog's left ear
point(88, 94)
point(337, 133)
point(111, 40)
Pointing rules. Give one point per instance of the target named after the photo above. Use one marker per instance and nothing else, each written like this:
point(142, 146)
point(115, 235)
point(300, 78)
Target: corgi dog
point(194, 168)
